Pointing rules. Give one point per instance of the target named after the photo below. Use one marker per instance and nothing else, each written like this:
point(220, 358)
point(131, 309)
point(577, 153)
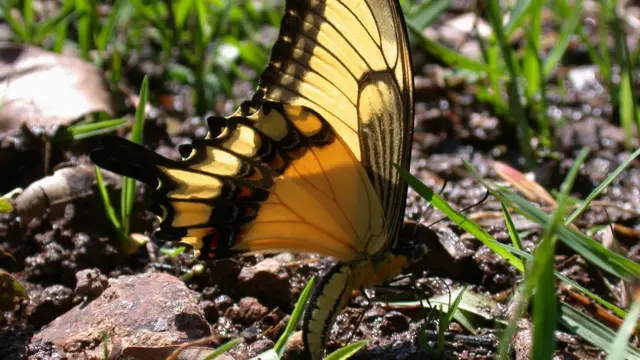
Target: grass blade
point(83, 131)
point(450, 57)
point(13, 23)
point(531, 61)
point(544, 304)
point(295, 317)
point(460, 219)
point(569, 28)
point(585, 204)
point(347, 351)
point(181, 11)
point(105, 35)
point(223, 348)
point(590, 249)
point(511, 228)
point(28, 17)
point(619, 348)
point(591, 330)
point(48, 26)
point(110, 211)
point(518, 116)
point(128, 184)
point(86, 25)
point(429, 12)
point(518, 14)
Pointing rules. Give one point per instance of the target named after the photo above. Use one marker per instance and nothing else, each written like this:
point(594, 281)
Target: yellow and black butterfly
point(307, 164)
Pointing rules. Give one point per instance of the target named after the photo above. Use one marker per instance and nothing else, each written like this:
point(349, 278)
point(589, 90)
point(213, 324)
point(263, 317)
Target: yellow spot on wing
point(341, 125)
point(306, 122)
point(219, 162)
point(190, 213)
point(244, 141)
point(192, 185)
point(273, 125)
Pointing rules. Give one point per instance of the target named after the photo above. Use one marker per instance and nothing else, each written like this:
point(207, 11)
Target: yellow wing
point(274, 179)
point(348, 60)
point(307, 164)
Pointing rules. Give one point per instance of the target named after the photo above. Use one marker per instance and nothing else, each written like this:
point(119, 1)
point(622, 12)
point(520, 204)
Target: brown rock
point(90, 283)
point(151, 309)
point(248, 311)
point(294, 348)
point(268, 280)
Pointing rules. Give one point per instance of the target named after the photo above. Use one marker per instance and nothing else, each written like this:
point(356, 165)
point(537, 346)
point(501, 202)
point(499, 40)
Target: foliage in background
point(205, 44)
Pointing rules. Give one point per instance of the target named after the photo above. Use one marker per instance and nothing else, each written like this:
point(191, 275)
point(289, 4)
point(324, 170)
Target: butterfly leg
point(361, 317)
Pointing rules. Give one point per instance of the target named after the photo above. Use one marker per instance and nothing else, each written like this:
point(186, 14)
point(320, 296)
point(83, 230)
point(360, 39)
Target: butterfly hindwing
point(274, 179)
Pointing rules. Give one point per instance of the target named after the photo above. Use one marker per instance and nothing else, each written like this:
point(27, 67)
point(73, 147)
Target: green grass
point(538, 284)
point(121, 224)
point(206, 44)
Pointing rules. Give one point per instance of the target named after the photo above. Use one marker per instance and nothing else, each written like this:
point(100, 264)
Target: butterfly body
point(307, 164)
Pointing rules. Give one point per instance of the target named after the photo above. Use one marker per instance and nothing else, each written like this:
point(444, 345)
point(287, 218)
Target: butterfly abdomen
point(333, 292)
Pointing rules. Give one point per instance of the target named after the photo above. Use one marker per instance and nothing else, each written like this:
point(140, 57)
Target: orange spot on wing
point(277, 162)
point(245, 192)
point(215, 239)
point(256, 175)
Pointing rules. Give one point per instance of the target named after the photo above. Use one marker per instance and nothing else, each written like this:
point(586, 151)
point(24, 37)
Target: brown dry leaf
point(38, 87)
point(529, 188)
point(53, 192)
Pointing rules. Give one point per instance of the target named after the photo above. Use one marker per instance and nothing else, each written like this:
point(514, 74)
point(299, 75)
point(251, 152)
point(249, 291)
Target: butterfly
point(307, 164)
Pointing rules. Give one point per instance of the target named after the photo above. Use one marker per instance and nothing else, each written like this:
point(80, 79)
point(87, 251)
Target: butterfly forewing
point(348, 61)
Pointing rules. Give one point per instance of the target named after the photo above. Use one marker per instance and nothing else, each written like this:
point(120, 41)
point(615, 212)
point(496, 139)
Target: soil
point(452, 124)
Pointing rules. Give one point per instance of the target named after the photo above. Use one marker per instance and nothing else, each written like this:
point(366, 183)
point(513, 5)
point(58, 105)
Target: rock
point(394, 322)
point(50, 303)
point(223, 302)
point(584, 78)
point(258, 347)
point(210, 311)
point(268, 280)
point(294, 348)
point(90, 283)
point(251, 310)
point(593, 133)
point(248, 311)
point(151, 309)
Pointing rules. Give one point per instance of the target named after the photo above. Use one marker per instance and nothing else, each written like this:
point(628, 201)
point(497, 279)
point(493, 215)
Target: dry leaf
point(529, 188)
point(38, 87)
point(53, 192)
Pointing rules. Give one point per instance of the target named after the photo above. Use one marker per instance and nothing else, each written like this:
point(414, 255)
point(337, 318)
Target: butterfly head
point(415, 241)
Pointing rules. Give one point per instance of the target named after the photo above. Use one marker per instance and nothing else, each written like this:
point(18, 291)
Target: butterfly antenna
point(415, 229)
point(484, 198)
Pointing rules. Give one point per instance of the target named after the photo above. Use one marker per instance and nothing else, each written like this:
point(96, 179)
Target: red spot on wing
point(245, 192)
